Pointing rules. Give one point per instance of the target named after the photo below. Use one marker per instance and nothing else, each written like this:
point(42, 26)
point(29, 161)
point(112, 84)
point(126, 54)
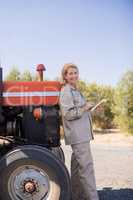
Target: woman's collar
point(72, 87)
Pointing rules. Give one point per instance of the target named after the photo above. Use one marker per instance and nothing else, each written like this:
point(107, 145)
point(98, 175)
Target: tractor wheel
point(32, 172)
point(59, 153)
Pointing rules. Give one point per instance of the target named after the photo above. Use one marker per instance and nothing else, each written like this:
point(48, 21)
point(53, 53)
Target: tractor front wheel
point(32, 172)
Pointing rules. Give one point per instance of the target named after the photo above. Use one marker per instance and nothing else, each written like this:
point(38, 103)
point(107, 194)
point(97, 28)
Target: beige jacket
point(76, 123)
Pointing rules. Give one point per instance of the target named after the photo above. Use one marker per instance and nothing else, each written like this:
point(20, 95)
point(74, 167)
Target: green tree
point(123, 108)
point(83, 87)
point(103, 118)
point(26, 76)
point(13, 75)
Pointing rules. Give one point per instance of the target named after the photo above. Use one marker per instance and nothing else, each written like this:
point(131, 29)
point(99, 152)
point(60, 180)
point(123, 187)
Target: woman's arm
point(69, 110)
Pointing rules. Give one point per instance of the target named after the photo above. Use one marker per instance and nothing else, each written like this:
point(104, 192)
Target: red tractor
point(31, 159)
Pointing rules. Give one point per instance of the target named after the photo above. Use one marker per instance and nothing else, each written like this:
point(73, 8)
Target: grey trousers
point(82, 173)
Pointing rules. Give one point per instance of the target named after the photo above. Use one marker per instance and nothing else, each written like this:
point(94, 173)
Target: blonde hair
point(65, 69)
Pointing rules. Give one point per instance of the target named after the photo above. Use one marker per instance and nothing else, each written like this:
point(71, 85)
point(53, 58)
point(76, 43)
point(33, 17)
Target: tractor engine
point(32, 124)
point(29, 112)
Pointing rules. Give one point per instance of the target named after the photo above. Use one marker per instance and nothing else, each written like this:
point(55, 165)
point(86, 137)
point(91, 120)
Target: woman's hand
point(88, 106)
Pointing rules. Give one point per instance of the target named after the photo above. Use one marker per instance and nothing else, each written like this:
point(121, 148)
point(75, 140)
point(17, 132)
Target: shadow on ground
point(116, 194)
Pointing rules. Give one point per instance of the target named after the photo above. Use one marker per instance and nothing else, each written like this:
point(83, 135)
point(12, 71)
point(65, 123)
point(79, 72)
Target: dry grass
point(117, 139)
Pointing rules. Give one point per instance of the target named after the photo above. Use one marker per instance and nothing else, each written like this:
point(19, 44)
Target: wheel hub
point(30, 186)
point(29, 182)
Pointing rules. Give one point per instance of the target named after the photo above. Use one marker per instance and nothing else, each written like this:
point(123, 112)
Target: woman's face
point(72, 76)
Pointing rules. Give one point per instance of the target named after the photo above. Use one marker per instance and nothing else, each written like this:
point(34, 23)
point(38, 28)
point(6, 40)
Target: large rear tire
point(32, 172)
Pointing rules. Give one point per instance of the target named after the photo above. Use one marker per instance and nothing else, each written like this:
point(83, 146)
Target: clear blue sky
point(97, 35)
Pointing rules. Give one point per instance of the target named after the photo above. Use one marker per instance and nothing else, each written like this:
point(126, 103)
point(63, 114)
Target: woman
point(78, 133)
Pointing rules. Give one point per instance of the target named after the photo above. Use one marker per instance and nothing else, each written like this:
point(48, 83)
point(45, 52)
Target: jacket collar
point(72, 88)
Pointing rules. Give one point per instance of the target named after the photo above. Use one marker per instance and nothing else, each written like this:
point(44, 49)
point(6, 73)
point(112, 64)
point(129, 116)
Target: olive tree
point(13, 75)
point(123, 108)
